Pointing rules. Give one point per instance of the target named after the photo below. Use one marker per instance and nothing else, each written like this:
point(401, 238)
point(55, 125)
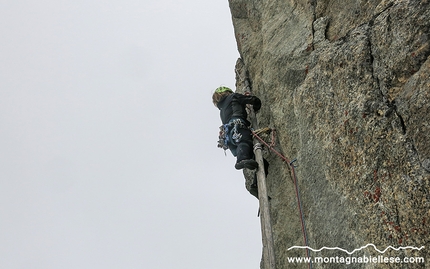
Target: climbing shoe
point(250, 164)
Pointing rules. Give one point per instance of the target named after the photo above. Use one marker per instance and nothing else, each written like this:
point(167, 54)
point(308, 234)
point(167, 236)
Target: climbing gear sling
point(229, 133)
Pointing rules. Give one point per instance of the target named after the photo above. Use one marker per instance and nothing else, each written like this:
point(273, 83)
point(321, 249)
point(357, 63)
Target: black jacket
point(233, 106)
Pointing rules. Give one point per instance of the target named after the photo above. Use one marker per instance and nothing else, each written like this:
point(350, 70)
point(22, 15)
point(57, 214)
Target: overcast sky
point(108, 154)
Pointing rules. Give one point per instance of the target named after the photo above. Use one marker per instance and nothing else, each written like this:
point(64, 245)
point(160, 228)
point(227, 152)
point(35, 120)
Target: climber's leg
point(245, 154)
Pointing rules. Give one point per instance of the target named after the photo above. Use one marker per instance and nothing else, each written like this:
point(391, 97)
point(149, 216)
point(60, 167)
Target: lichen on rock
point(346, 85)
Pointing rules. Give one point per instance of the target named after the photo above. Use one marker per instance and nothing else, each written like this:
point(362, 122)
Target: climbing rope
point(270, 146)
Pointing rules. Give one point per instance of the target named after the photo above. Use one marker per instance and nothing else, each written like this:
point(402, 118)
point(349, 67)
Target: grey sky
point(108, 138)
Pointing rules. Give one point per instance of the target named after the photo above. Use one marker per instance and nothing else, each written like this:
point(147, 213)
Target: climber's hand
point(256, 105)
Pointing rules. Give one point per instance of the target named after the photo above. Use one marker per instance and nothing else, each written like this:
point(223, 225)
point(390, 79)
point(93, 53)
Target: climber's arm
point(252, 100)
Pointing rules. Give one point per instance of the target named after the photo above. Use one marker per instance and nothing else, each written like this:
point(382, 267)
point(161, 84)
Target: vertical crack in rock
point(353, 108)
point(313, 8)
point(402, 122)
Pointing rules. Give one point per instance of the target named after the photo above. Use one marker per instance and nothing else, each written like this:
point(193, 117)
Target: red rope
point(293, 175)
point(271, 148)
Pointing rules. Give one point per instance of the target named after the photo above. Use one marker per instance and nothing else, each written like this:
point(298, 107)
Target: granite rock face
point(346, 86)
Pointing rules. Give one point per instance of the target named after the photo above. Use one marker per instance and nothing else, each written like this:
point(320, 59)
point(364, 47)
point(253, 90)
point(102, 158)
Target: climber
point(234, 133)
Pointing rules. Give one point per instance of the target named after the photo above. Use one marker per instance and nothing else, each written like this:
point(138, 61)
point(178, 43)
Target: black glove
point(256, 104)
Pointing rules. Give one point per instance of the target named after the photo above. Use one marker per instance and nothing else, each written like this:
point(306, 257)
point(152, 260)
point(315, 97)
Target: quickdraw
point(222, 138)
point(229, 133)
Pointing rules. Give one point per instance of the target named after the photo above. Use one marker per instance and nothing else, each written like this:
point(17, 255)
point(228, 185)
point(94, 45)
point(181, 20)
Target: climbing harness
point(293, 175)
point(229, 133)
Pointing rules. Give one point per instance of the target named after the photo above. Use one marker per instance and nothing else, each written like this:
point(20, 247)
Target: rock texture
point(346, 86)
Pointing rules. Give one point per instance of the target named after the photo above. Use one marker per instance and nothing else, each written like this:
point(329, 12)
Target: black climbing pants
point(243, 150)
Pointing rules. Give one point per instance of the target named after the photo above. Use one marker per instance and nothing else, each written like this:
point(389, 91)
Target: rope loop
point(257, 146)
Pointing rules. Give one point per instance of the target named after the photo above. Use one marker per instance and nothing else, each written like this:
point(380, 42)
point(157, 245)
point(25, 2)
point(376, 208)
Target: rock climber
point(235, 133)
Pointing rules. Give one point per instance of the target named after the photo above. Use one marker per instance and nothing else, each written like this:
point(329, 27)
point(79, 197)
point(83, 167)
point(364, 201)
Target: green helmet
point(223, 89)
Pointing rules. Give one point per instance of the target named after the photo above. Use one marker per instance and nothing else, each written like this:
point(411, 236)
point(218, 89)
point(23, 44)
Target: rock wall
point(346, 86)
